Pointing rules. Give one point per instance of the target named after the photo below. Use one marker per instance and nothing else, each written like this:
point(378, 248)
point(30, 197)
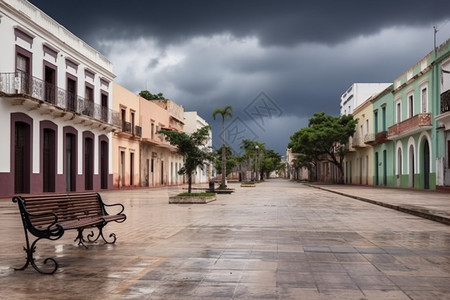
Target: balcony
point(445, 102)
point(349, 145)
point(369, 139)
point(374, 139)
point(358, 142)
point(444, 116)
point(22, 89)
point(410, 126)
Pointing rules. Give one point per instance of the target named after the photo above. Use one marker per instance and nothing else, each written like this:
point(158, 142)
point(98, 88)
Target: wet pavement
point(433, 205)
point(279, 240)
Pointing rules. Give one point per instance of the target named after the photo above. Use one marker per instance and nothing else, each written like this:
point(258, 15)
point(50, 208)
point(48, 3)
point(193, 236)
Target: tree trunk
point(189, 183)
point(224, 162)
point(341, 174)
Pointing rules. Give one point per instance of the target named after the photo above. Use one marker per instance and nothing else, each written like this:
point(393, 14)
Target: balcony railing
point(413, 124)
point(376, 138)
point(381, 137)
point(138, 131)
point(369, 138)
point(37, 89)
point(445, 101)
point(126, 127)
point(358, 142)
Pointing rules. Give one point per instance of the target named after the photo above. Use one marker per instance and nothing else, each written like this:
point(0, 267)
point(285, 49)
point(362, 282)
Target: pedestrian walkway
point(280, 240)
point(433, 205)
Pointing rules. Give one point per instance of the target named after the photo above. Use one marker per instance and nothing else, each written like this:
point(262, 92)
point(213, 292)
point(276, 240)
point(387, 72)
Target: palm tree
point(225, 113)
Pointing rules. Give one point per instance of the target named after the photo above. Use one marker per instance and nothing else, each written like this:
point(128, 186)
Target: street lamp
point(256, 162)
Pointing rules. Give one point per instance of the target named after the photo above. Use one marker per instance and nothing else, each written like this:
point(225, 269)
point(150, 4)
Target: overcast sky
point(275, 62)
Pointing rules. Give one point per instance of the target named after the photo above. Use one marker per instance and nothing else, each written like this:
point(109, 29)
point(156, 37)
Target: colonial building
point(55, 106)
point(441, 92)
point(192, 123)
point(159, 161)
point(409, 140)
point(294, 172)
point(411, 131)
point(126, 141)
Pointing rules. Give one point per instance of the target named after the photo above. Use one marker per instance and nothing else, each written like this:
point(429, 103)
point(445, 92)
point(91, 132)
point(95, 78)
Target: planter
point(248, 185)
point(224, 191)
point(191, 199)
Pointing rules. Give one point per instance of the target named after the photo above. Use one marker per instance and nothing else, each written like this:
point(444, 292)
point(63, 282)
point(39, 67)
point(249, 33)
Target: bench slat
point(75, 210)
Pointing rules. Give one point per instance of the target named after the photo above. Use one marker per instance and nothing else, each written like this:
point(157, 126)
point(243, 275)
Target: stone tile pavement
point(279, 240)
point(433, 205)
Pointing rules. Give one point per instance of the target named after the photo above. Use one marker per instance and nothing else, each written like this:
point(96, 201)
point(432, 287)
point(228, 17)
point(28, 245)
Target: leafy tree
point(190, 146)
point(231, 160)
point(149, 96)
point(325, 137)
point(270, 162)
point(263, 160)
point(225, 112)
point(253, 152)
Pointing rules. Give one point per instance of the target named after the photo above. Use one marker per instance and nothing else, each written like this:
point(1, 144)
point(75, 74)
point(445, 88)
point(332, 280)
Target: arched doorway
point(399, 166)
point(104, 162)
point(22, 157)
point(411, 166)
point(426, 165)
point(49, 160)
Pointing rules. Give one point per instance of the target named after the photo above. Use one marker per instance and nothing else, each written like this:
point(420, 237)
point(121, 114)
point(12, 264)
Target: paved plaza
point(279, 240)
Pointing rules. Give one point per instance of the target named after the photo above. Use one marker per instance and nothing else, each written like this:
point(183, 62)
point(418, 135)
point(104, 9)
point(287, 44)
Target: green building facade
point(411, 126)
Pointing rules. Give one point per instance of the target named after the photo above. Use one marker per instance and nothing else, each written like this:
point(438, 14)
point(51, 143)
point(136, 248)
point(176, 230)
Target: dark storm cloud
point(274, 22)
point(303, 54)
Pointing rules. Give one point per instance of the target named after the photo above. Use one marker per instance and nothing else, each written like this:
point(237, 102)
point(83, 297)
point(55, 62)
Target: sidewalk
point(432, 205)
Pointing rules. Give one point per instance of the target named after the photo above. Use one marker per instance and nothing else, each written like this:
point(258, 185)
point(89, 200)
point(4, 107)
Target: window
point(375, 119)
point(367, 126)
point(424, 100)
point(88, 103)
point(398, 112)
point(153, 131)
point(23, 70)
point(50, 83)
point(383, 117)
point(89, 94)
point(22, 64)
point(123, 114)
point(104, 103)
point(410, 106)
point(71, 93)
point(132, 122)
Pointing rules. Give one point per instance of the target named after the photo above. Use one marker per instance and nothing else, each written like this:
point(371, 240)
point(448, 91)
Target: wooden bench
point(49, 216)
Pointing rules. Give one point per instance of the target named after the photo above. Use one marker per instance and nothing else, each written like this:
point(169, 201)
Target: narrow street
point(279, 240)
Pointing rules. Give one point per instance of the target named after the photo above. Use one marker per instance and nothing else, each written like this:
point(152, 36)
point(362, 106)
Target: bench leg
point(30, 259)
point(100, 234)
point(92, 238)
point(80, 238)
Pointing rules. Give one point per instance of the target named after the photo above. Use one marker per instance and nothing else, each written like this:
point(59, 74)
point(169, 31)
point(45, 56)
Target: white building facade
point(357, 93)
point(55, 106)
point(192, 123)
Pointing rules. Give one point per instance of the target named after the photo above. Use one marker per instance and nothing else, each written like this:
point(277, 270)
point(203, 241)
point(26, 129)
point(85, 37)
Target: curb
point(416, 211)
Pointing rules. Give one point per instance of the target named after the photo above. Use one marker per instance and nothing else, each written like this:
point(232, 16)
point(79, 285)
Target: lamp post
point(257, 161)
